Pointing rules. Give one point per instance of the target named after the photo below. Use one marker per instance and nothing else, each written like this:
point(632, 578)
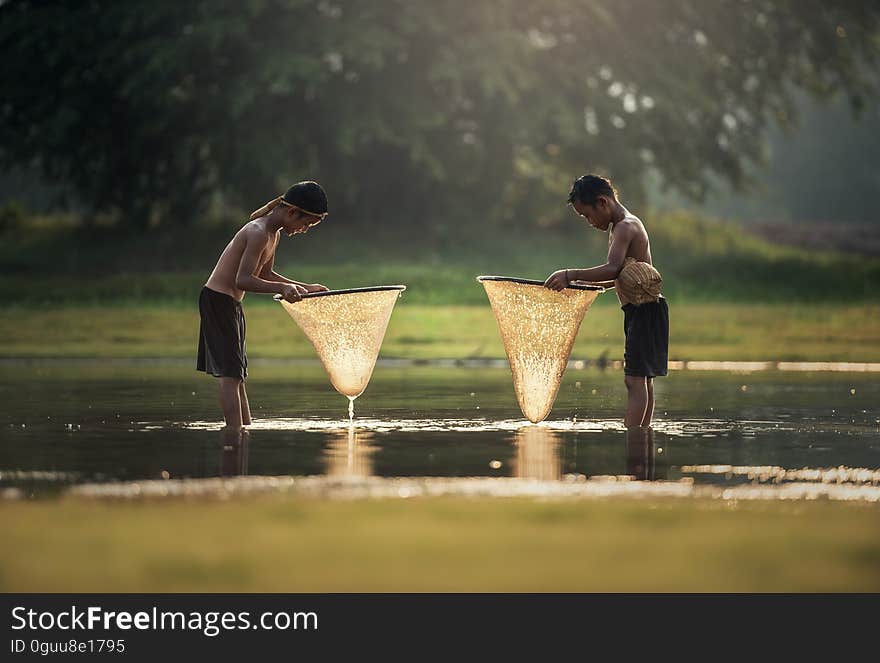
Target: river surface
point(68, 423)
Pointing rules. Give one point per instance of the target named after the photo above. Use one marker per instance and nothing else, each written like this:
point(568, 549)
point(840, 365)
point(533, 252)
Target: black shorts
point(221, 336)
point(647, 339)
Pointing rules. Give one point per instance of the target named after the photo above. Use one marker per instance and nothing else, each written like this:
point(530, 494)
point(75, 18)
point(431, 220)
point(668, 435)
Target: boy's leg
point(649, 409)
point(640, 453)
point(230, 402)
point(245, 406)
point(233, 460)
point(636, 400)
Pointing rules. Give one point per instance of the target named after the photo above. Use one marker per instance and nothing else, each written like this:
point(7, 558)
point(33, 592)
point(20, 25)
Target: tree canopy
point(410, 110)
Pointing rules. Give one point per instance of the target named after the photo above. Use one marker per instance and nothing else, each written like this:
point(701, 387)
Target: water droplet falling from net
point(346, 328)
point(538, 327)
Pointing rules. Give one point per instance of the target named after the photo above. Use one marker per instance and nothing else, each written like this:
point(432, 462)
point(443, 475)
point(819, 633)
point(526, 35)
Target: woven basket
point(638, 282)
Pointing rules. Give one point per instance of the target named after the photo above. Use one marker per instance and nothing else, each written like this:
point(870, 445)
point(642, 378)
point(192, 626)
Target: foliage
point(12, 216)
point(408, 112)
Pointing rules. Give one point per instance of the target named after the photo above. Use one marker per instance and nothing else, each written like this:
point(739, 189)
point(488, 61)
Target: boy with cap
point(246, 265)
point(629, 268)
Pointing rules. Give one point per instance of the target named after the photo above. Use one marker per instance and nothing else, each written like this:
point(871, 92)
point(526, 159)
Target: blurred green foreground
point(281, 544)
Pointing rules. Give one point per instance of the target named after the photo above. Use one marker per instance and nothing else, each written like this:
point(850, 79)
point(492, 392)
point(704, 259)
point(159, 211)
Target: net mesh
point(346, 331)
point(538, 327)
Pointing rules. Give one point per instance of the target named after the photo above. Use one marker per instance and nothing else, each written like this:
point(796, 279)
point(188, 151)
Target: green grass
point(75, 292)
point(701, 261)
point(698, 331)
point(453, 544)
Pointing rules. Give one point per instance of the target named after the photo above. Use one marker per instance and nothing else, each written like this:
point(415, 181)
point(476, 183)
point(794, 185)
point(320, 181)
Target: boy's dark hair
point(587, 189)
point(308, 196)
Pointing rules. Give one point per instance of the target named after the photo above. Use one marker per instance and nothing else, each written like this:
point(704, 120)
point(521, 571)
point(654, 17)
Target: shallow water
point(82, 422)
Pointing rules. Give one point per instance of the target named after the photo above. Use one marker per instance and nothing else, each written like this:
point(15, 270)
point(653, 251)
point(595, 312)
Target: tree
point(406, 109)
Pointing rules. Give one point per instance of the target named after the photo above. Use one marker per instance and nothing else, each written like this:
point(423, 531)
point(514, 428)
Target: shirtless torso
point(627, 238)
point(638, 247)
point(225, 273)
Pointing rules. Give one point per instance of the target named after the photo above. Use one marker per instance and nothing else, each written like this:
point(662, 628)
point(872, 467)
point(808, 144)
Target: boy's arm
point(600, 274)
point(601, 284)
point(268, 274)
point(278, 278)
point(245, 279)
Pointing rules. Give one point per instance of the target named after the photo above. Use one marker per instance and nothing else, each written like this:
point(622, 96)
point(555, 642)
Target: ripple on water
point(412, 425)
point(741, 482)
point(409, 487)
point(685, 428)
point(765, 473)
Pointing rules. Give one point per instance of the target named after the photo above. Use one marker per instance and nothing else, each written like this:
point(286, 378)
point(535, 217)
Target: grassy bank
point(698, 331)
point(87, 292)
point(701, 261)
point(283, 544)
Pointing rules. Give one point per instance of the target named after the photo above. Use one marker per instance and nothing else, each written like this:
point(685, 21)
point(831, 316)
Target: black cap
point(308, 196)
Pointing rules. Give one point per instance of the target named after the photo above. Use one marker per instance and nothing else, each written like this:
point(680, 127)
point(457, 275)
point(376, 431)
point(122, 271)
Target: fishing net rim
point(348, 291)
point(512, 279)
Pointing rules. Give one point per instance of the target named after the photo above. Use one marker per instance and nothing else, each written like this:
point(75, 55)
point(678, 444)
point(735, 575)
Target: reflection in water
point(789, 436)
point(350, 454)
point(641, 455)
point(234, 454)
point(445, 425)
point(537, 454)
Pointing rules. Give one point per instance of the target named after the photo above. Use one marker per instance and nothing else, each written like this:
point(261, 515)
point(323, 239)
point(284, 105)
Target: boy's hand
point(558, 280)
point(316, 287)
point(292, 293)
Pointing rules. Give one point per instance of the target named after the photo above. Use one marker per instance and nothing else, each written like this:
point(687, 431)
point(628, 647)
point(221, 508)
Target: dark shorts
point(221, 336)
point(647, 339)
